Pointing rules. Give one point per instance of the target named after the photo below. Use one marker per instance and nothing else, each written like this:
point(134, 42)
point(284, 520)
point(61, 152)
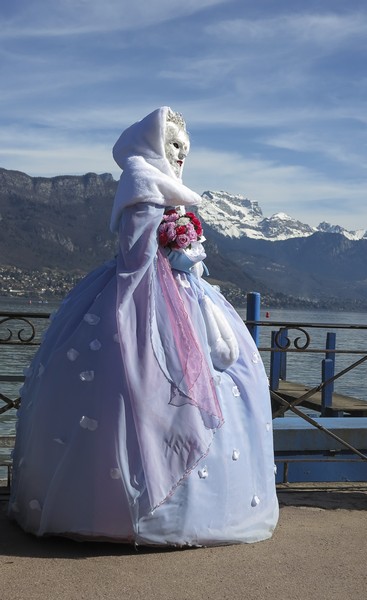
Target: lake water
point(305, 367)
point(301, 367)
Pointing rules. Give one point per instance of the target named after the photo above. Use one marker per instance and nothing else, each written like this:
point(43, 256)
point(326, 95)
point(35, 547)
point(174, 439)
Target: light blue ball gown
point(128, 430)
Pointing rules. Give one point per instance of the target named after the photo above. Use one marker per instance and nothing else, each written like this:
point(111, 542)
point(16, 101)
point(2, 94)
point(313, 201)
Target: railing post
point(331, 345)
point(253, 314)
point(283, 355)
point(327, 371)
point(275, 358)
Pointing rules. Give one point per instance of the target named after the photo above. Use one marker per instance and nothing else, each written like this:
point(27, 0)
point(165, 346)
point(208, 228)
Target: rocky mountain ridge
point(60, 227)
point(236, 216)
point(55, 222)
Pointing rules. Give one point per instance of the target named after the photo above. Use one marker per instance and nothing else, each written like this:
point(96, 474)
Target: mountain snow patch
point(234, 216)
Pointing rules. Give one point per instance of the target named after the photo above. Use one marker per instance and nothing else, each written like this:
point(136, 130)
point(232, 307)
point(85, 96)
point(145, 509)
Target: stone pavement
point(318, 552)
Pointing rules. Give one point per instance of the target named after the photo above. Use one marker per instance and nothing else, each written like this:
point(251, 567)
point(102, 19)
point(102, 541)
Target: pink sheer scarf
point(188, 368)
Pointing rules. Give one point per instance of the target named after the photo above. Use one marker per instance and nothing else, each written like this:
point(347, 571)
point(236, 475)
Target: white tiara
point(176, 118)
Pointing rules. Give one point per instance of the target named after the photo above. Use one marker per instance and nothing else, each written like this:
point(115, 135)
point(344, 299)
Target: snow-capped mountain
point(235, 216)
point(359, 234)
point(285, 260)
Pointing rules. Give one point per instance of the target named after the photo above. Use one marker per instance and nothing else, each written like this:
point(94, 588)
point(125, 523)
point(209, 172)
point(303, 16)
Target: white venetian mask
point(176, 146)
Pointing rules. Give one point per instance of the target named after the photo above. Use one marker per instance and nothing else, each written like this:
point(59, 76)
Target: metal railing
point(21, 332)
point(18, 329)
point(295, 338)
point(20, 336)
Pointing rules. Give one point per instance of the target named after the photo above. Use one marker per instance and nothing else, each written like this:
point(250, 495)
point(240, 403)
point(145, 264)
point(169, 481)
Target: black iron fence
point(21, 333)
point(278, 342)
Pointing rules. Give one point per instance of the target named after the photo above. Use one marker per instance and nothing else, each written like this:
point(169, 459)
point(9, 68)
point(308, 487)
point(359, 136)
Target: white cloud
point(281, 94)
point(60, 159)
point(285, 56)
point(328, 29)
point(42, 18)
point(318, 143)
point(294, 189)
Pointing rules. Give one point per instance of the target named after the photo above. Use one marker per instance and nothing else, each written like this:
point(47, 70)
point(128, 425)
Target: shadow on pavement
point(15, 542)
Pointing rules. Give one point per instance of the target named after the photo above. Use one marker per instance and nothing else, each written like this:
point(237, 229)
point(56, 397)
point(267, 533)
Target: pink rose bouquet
point(179, 231)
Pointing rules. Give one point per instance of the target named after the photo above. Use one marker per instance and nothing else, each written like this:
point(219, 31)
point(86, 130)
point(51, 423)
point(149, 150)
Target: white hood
point(147, 175)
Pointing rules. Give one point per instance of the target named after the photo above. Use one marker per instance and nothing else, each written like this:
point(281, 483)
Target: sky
point(274, 93)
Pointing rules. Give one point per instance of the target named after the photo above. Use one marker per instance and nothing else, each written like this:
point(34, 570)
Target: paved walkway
point(318, 552)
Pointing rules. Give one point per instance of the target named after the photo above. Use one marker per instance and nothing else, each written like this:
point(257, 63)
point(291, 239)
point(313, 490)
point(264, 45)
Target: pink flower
point(168, 229)
point(182, 240)
point(171, 231)
point(171, 216)
point(190, 231)
point(178, 231)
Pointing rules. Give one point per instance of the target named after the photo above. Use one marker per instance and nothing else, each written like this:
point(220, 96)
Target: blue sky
point(274, 93)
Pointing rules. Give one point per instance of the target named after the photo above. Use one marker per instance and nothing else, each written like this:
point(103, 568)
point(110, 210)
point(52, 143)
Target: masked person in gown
point(145, 415)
